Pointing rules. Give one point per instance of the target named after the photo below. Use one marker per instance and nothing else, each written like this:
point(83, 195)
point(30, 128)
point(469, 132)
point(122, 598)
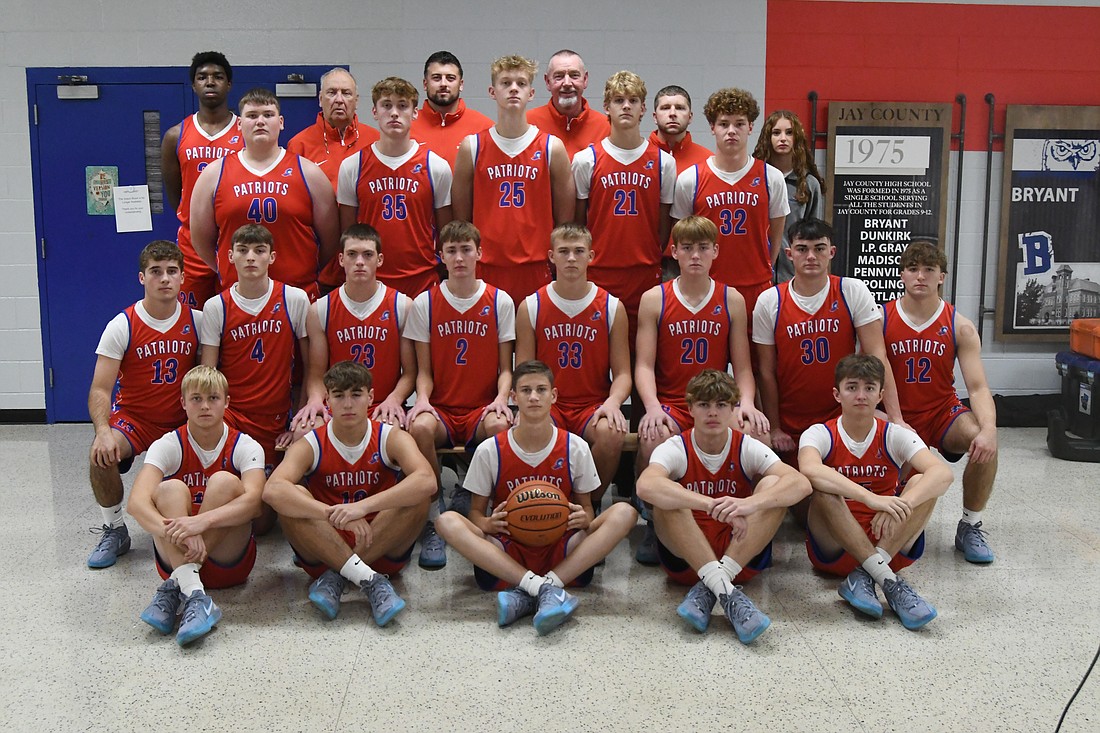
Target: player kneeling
point(197, 495)
point(718, 498)
point(364, 502)
point(534, 450)
point(862, 523)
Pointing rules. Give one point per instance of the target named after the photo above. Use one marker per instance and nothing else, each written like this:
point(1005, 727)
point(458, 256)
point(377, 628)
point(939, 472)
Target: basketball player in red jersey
point(802, 328)
point(924, 337)
point(718, 498)
point(187, 148)
point(143, 353)
point(464, 331)
point(624, 194)
point(534, 450)
point(401, 189)
point(514, 183)
point(197, 495)
point(444, 120)
point(862, 524)
point(364, 502)
point(745, 197)
point(249, 332)
point(568, 116)
point(263, 185)
point(672, 113)
point(580, 331)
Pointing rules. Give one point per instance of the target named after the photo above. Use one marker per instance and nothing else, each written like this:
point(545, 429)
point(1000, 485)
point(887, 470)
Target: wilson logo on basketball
point(534, 494)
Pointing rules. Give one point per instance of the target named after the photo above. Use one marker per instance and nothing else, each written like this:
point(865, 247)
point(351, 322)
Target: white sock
point(554, 579)
point(731, 567)
point(531, 583)
point(187, 575)
point(112, 515)
point(357, 571)
point(885, 555)
point(971, 517)
point(878, 569)
point(714, 576)
point(433, 509)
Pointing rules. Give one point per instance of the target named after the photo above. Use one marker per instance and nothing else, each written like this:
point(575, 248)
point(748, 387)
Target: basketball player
point(464, 331)
point(924, 337)
point(401, 189)
point(187, 148)
point(364, 500)
point(197, 495)
point(802, 328)
point(534, 450)
point(263, 185)
point(672, 113)
point(143, 353)
point(718, 498)
point(444, 120)
point(567, 115)
point(580, 330)
point(861, 523)
point(624, 194)
point(513, 182)
point(743, 196)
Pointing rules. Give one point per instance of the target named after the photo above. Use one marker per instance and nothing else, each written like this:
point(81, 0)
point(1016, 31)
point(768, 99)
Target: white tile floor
point(1009, 647)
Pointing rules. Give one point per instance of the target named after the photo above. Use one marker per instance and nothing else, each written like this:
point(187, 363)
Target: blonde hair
point(514, 63)
point(626, 83)
point(694, 229)
point(204, 380)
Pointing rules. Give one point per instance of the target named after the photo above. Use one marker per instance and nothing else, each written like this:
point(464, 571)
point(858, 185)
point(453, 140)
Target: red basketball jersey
point(400, 204)
point(874, 471)
point(688, 343)
point(195, 149)
point(578, 349)
point(624, 207)
point(339, 481)
point(279, 200)
point(374, 342)
point(729, 480)
point(513, 470)
point(513, 204)
point(153, 364)
point(465, 351)
point(923, 361)
point(195, 475)
point(257, 354)
point(807, 349)
point(741, 213)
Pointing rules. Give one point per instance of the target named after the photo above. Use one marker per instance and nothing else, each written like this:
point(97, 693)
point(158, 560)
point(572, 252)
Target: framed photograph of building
point(1050, 222)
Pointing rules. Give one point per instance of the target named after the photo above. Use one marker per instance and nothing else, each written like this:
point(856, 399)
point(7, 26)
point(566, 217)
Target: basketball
point(537, 513)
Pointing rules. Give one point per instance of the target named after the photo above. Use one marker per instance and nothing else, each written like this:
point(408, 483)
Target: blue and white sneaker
point(555, 606)
point(162, 611)
point(970, 540)
point(113, 541)
point(514, 604)
point(384, 601)
point(748, 621)
point(859, 590)
point(913, 610)
point(200, 615)
point(433, 549)
point(325, 592)
point(697, 606)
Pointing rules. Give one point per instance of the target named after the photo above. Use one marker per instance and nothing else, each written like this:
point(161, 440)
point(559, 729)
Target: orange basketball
point(537, 513)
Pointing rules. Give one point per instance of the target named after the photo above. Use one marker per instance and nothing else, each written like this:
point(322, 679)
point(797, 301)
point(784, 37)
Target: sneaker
point(384, 600)
point(697, 605)
point(859, 590)
point(748, 621)
point(200, 615)
point(913, 610)
point(460, 502)
point(646, 554)
point(162, 611)
point(113, 541)
point(970, 540)
point(555, 608)
point(514, 604)
point(325, 592)
point(433, 549)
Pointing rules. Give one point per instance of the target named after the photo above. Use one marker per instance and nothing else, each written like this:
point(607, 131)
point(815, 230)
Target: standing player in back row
point(744, 197)
point(513, 182)
point(924, 337)
point(624, 195)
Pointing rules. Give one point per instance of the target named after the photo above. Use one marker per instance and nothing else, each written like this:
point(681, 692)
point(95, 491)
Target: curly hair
point(731, 101)
point(802, 155)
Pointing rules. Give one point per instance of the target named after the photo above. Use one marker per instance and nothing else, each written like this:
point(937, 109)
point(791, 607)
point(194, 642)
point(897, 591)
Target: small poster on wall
point(99, 185)
point(888, 164)
point(1050, 222)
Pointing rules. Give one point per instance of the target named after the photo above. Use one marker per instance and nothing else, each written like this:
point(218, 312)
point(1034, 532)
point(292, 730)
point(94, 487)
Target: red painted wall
point(915, 52)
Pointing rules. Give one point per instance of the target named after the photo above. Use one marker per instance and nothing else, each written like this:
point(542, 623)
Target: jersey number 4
point(263, 211)
point(733, 222)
